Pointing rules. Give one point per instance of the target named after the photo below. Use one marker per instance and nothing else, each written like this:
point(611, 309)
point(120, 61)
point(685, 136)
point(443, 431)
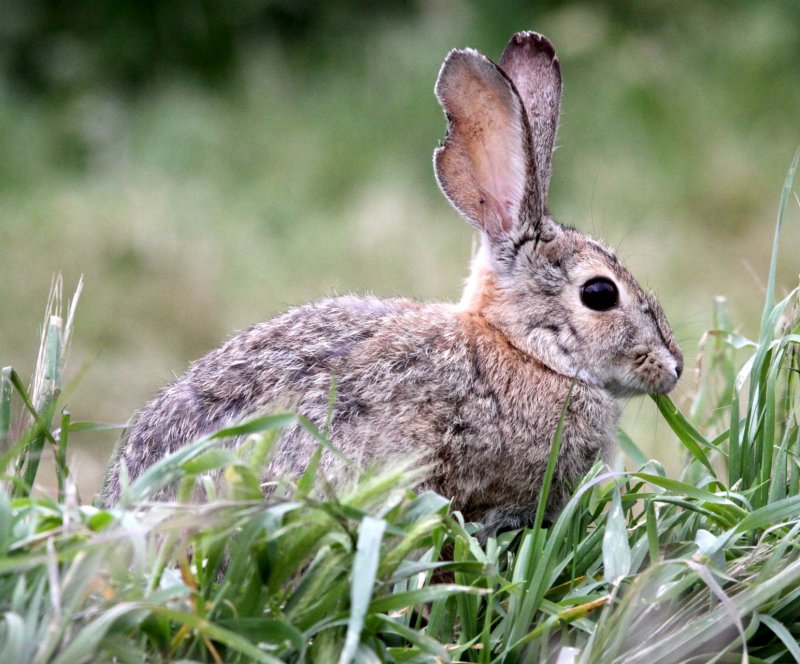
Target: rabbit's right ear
point(485, 166)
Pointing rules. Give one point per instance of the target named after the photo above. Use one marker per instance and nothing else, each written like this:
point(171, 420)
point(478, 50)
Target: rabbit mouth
point(657, 370)
point(648, 371)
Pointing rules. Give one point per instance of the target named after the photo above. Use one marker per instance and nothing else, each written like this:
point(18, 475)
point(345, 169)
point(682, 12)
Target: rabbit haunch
point(473, 390)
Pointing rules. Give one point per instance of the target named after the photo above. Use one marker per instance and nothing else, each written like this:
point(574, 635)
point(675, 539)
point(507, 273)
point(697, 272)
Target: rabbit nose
point(678, 366)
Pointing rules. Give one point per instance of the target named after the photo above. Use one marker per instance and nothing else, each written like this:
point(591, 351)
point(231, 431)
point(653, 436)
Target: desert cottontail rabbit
point(473, 389)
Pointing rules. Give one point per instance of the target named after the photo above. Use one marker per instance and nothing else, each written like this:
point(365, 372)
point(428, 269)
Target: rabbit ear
point(530, 62)
point(485, 165)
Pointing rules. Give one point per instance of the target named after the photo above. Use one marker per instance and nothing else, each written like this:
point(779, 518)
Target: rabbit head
point(553, 292)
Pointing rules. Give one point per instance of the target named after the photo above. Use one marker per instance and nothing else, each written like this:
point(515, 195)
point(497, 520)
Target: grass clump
point(638, 567)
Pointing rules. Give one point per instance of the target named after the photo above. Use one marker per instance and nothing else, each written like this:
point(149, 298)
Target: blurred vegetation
point(207, 164)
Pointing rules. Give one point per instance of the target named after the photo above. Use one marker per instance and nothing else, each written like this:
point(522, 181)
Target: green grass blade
point(783, 634)
point(735, 451)
point(408, 598)
point(682, 488)
point(417, 638)
point(616, 550)
point(692, 439)
point(60, 456)
point(5, 405)
point(652, 532)
point(769, 297)
point(777, 512)
point(365, 565)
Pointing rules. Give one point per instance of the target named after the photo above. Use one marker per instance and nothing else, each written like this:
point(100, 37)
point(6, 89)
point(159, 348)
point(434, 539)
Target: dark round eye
point(599, 294)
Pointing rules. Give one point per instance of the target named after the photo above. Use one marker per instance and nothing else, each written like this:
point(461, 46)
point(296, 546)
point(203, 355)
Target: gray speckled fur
point(474, 390)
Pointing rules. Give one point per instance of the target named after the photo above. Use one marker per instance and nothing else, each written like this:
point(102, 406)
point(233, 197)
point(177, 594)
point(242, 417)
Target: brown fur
point(472, 390)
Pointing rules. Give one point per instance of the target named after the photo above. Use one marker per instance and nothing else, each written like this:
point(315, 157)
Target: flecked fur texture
point(473, 390)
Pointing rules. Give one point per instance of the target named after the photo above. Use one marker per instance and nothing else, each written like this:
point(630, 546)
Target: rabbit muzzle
point(646, 370)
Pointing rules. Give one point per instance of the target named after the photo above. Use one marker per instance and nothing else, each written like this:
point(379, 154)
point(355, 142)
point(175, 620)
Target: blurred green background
point(205, 164)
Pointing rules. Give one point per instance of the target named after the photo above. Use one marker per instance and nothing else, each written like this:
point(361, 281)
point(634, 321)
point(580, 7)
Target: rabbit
point(474, 390)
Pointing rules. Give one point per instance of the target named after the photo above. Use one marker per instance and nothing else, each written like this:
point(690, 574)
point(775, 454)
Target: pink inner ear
point(500, 162)
point(502, 213)
point(483, 165)
point(512, 211)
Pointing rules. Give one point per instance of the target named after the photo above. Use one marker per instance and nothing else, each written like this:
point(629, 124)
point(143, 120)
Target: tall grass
point(638, 567)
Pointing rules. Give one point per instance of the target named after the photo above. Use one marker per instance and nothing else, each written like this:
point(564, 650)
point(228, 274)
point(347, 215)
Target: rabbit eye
point(599, 294)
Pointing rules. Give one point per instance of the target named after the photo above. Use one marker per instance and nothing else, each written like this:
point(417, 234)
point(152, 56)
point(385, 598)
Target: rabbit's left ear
point(530, 62)
point(486, 166)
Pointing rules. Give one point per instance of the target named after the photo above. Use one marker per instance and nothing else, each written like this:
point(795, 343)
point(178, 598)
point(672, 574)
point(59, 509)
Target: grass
point(639, 566)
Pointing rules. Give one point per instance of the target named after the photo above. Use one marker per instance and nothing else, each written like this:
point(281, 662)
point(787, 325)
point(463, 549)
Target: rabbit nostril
point(678, 367)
